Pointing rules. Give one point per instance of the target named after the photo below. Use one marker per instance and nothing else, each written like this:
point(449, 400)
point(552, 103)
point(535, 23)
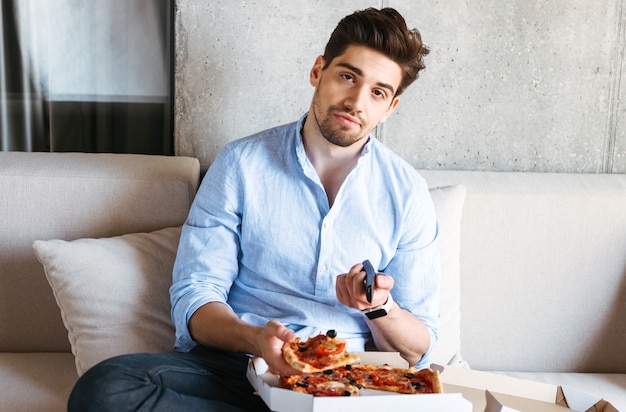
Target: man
point(273, 244)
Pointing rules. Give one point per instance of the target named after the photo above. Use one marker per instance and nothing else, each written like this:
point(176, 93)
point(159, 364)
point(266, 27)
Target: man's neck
point(331, 162)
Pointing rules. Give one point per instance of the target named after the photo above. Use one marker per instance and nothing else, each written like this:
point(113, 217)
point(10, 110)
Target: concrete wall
point(524, 85)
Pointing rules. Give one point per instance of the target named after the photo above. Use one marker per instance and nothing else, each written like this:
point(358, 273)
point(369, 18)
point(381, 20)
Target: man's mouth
point(347, 119)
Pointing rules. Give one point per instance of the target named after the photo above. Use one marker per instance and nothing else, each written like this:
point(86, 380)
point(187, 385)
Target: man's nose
point(356, 99)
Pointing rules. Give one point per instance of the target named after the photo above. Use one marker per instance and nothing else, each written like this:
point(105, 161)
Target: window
point(90, 75)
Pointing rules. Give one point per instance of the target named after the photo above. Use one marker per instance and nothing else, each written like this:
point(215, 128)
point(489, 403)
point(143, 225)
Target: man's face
point(354, 94)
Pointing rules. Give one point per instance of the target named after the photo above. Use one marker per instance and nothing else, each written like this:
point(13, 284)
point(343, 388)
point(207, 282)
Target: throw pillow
point(113, 293)
point(448, 203)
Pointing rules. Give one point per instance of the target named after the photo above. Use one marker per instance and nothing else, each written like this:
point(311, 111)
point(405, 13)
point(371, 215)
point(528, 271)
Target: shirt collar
point(303, 159)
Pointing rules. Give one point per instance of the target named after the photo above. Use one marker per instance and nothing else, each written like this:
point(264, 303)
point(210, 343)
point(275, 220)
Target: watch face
point(376, 313)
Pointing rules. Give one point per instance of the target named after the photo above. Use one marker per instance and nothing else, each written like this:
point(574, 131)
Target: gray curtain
point(86, 75)
point(21, 102)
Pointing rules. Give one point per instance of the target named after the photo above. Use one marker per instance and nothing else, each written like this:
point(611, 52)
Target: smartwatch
point(379, 311)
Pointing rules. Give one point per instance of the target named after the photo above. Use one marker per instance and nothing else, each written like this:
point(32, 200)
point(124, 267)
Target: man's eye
point(379, 93)
point(346, 77)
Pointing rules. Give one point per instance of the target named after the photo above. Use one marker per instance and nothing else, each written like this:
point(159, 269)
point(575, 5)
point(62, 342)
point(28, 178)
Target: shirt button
point(323, 268)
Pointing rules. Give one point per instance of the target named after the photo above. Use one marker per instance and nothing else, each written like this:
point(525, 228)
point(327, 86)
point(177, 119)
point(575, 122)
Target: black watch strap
point(379, 311)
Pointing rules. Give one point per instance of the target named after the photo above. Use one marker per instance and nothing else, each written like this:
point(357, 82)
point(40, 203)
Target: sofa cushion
point(113, 292)
point(543, 264)
point(72, 196)
point(448, 201)
point(36, 381)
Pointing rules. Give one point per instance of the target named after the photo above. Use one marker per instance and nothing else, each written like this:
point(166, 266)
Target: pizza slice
point(398, 380)
point(331, 382)
point(317, 354)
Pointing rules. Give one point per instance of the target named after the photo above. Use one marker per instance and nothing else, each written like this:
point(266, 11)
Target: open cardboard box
point(283, 400)
point(466, 390)
point(490, 392)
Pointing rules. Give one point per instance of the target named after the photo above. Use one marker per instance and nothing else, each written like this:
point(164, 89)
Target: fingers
point(280, 331)
point(350, 288)
point(384, 282)
point(273, 337)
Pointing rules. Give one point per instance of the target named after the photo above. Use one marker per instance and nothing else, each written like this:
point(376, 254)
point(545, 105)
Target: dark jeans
point(203, 380)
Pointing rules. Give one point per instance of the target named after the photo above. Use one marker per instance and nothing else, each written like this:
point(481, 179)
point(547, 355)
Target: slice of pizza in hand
point(317, 354)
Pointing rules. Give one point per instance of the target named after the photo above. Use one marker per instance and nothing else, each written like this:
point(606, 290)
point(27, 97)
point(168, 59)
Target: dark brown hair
point(385, 31)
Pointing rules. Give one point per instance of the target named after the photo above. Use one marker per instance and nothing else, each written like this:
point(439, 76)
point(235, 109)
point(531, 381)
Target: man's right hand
point(238, 336)
point(271, 339)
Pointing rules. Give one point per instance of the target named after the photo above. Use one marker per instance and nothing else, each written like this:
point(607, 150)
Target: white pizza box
point(284, 400)
point(491, 392)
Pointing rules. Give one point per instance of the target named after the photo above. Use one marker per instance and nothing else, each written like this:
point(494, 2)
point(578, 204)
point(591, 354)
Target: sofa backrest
point(543, 270)
point(70, 196)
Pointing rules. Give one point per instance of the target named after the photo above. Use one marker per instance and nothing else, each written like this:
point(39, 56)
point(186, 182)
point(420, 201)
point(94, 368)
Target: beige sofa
point(534, 270)
point(543, 277)
point(68, 196)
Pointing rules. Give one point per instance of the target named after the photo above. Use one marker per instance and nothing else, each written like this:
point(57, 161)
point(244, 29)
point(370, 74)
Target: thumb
point(384, 281)
point(281, 331)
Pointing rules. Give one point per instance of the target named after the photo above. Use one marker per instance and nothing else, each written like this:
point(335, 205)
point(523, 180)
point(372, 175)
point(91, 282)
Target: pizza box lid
point(491, 392)
point(284, 400)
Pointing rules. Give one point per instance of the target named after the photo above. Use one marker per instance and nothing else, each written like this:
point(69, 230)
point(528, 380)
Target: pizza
point(349, 380)
point(317, 354)
point(401, 380)
point(328, 370)
point(331, 382)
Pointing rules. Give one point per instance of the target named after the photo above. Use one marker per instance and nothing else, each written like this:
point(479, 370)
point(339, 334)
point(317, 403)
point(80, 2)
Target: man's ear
point(391, 108)
point(316, 71)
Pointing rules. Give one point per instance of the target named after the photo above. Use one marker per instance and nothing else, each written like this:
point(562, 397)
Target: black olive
point(416, 385)
point(332, 333)
point(346, 393)
point(328, 371)
point(409, 375)
point(348, 367)
point(302, 384)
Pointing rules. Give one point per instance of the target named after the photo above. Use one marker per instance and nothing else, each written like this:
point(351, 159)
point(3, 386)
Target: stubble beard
point(338, 135)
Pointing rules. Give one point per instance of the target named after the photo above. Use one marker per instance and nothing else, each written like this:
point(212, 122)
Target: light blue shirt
point(262, 238)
